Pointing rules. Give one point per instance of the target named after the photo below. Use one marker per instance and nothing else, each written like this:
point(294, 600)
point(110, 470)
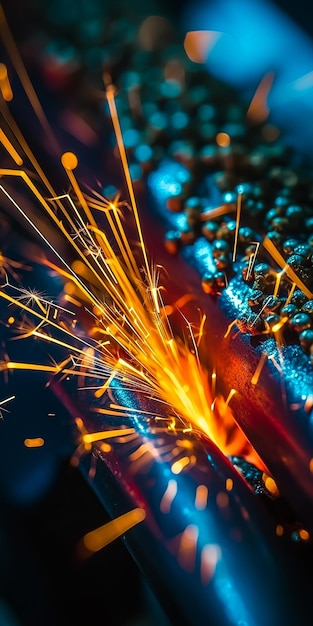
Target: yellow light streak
point(107, 434)
point(10, 148)
point(5, 86)
point(259, 368)
point(279, 259)
point(102, 536)
point(238, 215)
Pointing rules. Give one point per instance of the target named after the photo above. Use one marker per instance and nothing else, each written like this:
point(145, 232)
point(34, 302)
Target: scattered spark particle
point(106, 434)
point(102, 536)
point(179, 465)
point(188, 548)
point(304, 534)
point(201, 499)
point(279, 530)
point(168, 497)
point(223, 140)
point(229, 484)
point(270, 484)
point(259, 368)
point(35, 442)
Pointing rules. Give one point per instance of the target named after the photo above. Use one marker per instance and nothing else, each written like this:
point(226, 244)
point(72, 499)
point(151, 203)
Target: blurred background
point(46, 505)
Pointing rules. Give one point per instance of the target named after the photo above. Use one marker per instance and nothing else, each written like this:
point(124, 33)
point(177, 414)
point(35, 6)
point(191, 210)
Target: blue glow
point(179, 120)
point(143, 153)
point(131, 137)
point(256, 38)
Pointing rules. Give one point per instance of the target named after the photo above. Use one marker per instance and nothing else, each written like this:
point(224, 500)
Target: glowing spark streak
point(119, 234)
point(200, 331)
point(230, 396)
point(20, 69)
point(238, 214)
point(259, 368)
point(277, 256)
point(229, 327)
point(278, 280)
point(120, 142)
point(27, 309)
point(168, 497)
point(10, 149)
point(213, 379)
point(36, 442)
point(188, 548)
point(69, 161)
point(38, 231)
point(224, 209)
point(5, 86)
point(106, 434)
point(252, 259)
point(102, 536)
point(7, 400)
point(201, 499)
point(291, 292)
point(102, 390)
point(38, 367)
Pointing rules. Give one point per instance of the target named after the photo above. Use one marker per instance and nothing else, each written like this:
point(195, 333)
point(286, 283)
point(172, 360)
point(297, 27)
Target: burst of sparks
point(129, 336)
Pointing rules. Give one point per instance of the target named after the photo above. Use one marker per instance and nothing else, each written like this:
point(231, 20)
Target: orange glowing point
point(168, 497)
point(222, 500)
point(201, 499)
point(270, 484)
point(210, 555)
point(304, 534)
point(229, 484)
point(106, 434)
point(102, 536)
point(179, 465)
point(35, 442)
point(222, 140)
point(259, 368)
point(69, 161)
point(188, 548)
point(279, 530)
point(311, 466)
point(11, 320)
